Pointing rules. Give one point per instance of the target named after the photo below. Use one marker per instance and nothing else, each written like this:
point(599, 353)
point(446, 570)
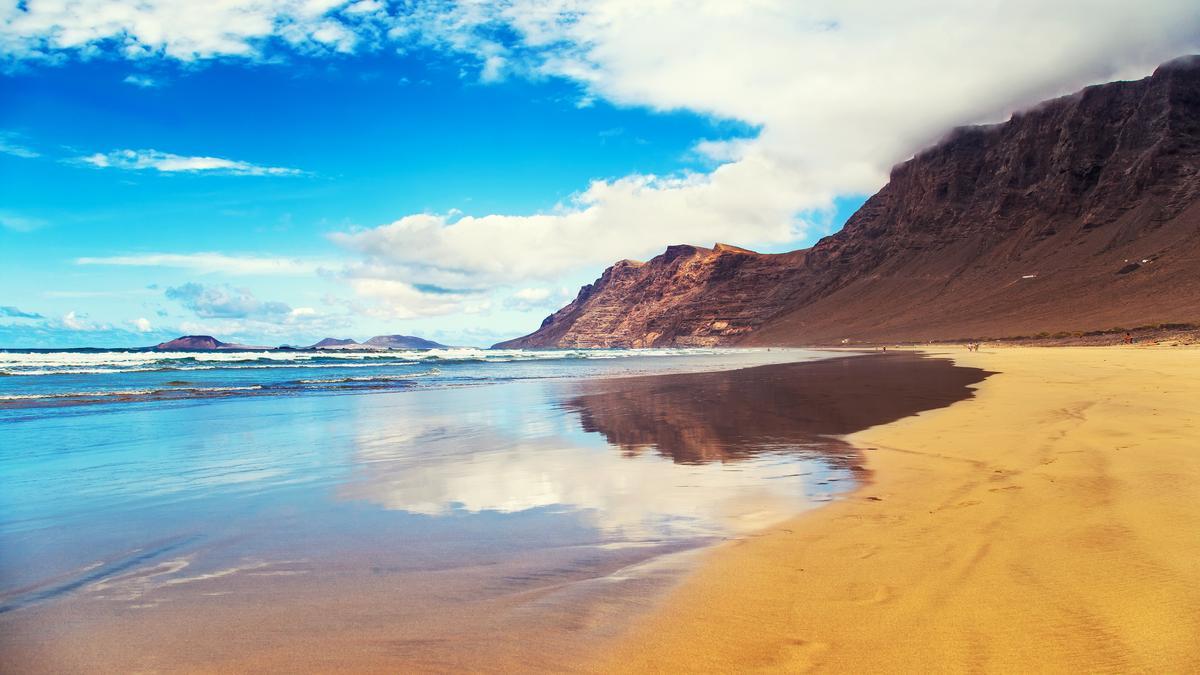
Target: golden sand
point(1050, 524)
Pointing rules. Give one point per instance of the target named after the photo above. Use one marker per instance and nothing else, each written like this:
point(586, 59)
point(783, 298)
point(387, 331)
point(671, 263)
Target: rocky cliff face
point(1080, 214)
point(687, 296)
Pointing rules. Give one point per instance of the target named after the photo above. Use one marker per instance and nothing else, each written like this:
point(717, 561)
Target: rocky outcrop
point(688, 296)
point(1080, 214)
point(199, 343)
point(335, 343)
point(402, 342)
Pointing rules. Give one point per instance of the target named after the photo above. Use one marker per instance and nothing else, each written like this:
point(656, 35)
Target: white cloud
point(840, 92)
point(226, 302)
point(385, 295)
point(178, 29)
point(142, 324)
point(165, 162)
point(214, 263)
point(142, 81)
point(364, 7)
point(296, 327)
point(632, 216)
point(232, 312)
point(537, 298)
point(16, 223)
point(10, 144)
point(75, 321)
point(393, 299)
point(532, 294)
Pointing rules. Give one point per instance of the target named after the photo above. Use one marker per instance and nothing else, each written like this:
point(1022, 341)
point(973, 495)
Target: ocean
point(458, 497)
point(52, 378)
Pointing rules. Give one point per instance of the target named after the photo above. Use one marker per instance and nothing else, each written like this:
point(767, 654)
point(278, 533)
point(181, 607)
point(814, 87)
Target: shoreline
point(502, 528)
point(1046, 524)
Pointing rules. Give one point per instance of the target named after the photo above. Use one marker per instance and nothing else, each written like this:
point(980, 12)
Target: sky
point(278, 171)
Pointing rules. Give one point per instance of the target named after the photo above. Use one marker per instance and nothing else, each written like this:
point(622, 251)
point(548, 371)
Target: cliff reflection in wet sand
point(507, 528)
point(728, 416)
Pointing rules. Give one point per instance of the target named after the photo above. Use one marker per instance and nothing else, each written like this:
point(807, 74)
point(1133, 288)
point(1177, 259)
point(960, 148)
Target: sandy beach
point(1050, 524)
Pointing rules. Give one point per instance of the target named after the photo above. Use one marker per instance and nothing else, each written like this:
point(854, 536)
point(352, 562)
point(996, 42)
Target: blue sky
point(372, 137)
point(305, 168)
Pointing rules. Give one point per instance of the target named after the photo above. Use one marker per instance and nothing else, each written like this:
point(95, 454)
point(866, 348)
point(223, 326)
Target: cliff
point(686, 296)
point(1079, 214)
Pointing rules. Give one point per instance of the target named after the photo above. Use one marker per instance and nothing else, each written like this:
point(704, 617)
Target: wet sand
point(510, 528)
point(1050, 524)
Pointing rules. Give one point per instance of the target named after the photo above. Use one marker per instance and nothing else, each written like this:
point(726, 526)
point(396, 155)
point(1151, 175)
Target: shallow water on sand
point(460, 527)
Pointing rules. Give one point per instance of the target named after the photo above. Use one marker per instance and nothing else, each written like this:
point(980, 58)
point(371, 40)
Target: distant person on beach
point(1128, 338)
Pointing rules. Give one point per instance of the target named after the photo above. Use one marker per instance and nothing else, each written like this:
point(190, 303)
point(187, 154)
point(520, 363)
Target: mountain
point(335, 343)
point(688, 296)
point(1080, 214)
point(402, 342)
point(199, 343)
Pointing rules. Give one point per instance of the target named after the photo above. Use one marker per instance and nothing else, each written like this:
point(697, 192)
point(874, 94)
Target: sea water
point(386, 491)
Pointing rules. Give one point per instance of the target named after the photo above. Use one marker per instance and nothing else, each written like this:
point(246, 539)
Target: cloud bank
point(840, 91)
point(225, 302)
point(177, 29)
point(16, 313)
point(223, 309)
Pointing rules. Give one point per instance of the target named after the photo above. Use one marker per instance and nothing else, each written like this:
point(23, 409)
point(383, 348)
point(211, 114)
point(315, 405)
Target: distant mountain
point(335, 343)
point(208, 343)
point(199, 343)
point(1080, 214)
point(402, 342)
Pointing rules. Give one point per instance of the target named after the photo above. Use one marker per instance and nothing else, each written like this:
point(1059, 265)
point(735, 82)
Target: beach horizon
point(599, 336)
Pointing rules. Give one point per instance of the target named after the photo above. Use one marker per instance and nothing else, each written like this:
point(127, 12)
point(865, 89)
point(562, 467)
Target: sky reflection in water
point(471, 471)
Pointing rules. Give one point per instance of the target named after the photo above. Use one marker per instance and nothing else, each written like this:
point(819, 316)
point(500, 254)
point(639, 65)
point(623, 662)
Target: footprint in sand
point(864, 551)
point(871, 596)
point(801, 656)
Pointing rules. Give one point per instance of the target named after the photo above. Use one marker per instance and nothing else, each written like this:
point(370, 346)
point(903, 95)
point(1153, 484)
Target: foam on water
point(127, 392)
point(105, 362)
point(51, 379)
